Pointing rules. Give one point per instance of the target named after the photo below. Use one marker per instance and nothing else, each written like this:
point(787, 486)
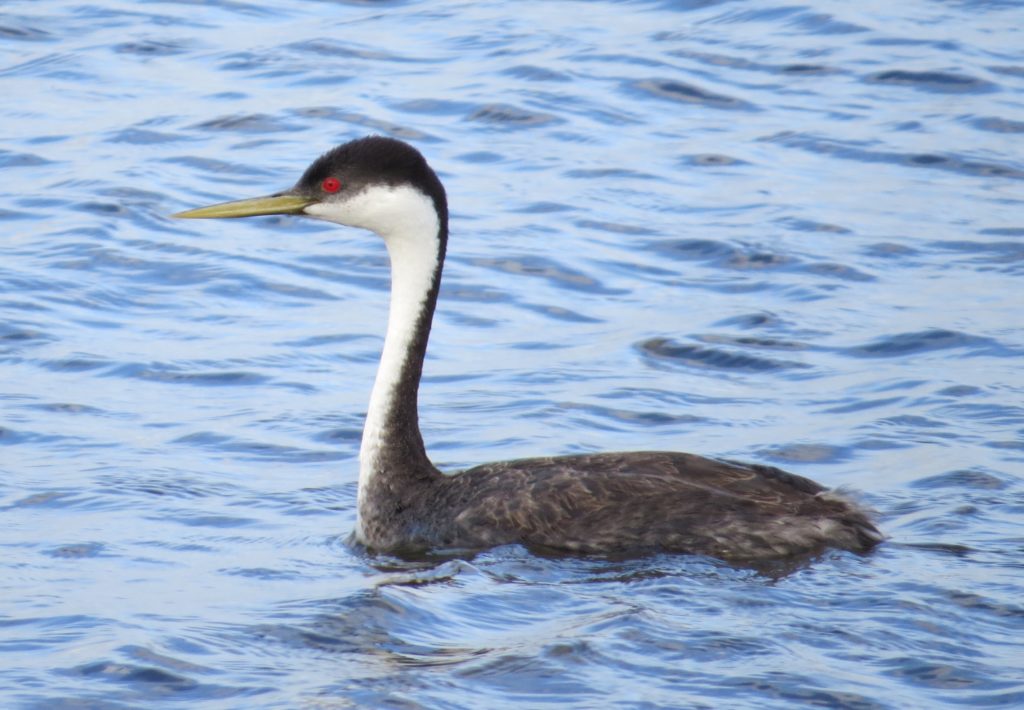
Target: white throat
point(407, 221)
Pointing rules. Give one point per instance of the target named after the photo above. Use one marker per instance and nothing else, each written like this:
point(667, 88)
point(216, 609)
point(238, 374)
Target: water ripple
point(767, 232)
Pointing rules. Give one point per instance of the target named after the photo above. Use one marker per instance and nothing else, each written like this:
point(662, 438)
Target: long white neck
point(414, 255)
point(408, 222)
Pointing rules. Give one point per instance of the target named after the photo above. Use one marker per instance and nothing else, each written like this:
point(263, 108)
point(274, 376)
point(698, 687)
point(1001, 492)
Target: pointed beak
point(273, 204)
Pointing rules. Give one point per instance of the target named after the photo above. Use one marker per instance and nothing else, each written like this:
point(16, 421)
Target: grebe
point(606, 503)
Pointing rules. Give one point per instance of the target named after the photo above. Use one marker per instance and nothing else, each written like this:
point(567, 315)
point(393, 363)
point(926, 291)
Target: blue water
point(790, 234)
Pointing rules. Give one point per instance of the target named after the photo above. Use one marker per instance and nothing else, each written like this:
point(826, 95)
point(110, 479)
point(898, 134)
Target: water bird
point(600, 503)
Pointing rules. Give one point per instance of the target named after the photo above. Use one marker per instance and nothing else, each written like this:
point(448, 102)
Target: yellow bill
point(275, 204)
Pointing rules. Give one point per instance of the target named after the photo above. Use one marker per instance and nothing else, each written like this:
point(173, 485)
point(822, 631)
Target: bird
point(620, 503)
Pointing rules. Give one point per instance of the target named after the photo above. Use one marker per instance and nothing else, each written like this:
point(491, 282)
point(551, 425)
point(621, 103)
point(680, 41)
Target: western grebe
point(617, 503)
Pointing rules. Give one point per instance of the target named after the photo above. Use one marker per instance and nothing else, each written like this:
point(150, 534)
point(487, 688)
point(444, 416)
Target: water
point(791, 234)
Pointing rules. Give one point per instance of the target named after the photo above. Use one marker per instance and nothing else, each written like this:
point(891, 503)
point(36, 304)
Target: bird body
point(629, 502)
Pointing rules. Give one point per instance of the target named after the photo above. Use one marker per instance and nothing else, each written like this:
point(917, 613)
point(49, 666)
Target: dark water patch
point(333, 48)
point(556, 274)
point(151, 48)
point(618, 58)
point(925, 341)
point(879, 444)
point(16, 338)
point(24, 33)
point(560, 313)
point(747, 341)
point(938, 675)
point(1007, 445)
point(823, 24)
point(326, 500)
point(695, 249)
point(11, 159)
point(243, 287)
point(101, 259)
point(960, 391)
point(791, 16)
point(174, 374)
point(55, 66)
point(139, 136)
point(995, 124)
point(862, 404)
point(837, 271)
point(806, 69)
point(1014, 70)
point(544, 208)
point(14, 437)
point(936, 81)
point(992, 414)
point(614, 228)
point(103, 209)
point(249, 61)
point(352, 435)
point(531, 72)
point(681, 92)
point(613, 116)
point(323, 79)
point(40, 204)
point(758, 260)
point(79, 363)
point(791, 690)
point(537, 345)
point(753, 320)
point(915, 424)
point(481, 157)
point(808, 453)
point(222, 522)
point(889, 250)
point(797, 224)
point(217, 167)
point(318, 340)
point(508, 116)
point(263, 574)
point(529, 678)
point(699, 356)
point(943, 548)
point(151, 681)
point(23, 306)
point(848, 150)
point(434, 107)
point(247, 123)
point(749, 258)
point(609, 174)
point(11, 215)
point(255, 449)
point(370, 123)
point(942, 45)
point(1003, 232)
point(137, 485)
point(628, 419)
point(710, 160)
point(76, 551)
point(962, 479)
point(55, 499)
point(68, 408)
point(984, 252)
point(720, 61)
point(474, 293)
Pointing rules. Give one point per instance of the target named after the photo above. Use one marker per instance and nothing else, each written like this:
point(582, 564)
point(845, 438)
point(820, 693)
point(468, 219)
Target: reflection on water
point(776, 233)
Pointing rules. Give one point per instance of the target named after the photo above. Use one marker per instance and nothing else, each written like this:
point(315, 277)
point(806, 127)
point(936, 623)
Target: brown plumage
point(631, 502)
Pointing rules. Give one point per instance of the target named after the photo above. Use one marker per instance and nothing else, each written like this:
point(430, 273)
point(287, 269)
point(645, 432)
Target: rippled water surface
point(791, 234)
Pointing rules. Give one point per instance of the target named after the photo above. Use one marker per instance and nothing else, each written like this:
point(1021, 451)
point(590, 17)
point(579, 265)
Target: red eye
point(330, 184)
